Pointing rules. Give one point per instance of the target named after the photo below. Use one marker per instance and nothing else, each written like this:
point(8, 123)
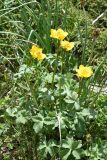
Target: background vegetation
point(46, 111)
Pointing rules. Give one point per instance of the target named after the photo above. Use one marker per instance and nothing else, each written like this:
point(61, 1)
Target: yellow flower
point(41, 56)
point(36, 52)
point(61, 34)
point(84, 72)
point(67, 45)
point(58, 34)
point(54, 33)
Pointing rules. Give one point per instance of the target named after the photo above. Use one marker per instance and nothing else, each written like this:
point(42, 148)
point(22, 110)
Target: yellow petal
point(35, 50)
point(67, 45)
point(53, 33)
point(81, 66)
point(41, 56)
point(61, 34)
point(84, 71)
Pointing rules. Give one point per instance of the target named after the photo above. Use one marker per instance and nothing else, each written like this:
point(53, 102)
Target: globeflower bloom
point(58, 34)
point(41, 56)
point(84, 72)
point(67, 45)
point(54, 34)
point(36, 52)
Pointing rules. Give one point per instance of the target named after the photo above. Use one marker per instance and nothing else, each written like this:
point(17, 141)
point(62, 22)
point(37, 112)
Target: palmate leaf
point(47, 147)
point(38, 125)
point(21, 119)
point(71, 148)
point(68, 143)
point(11, 111)
point(49, 121)
point(67, 154)
point(76, 154)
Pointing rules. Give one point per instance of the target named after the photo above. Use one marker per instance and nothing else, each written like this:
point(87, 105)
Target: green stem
point(80, 88)
point(56, 14)
point(31, 90)
point(60, 76)
point(98, 93)
point(85, 41)
point(55, 68)
point(90, 60)
point(53, 77)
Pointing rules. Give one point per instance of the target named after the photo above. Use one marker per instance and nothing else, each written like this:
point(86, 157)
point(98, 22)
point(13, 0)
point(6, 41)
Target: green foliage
point(46, 111)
